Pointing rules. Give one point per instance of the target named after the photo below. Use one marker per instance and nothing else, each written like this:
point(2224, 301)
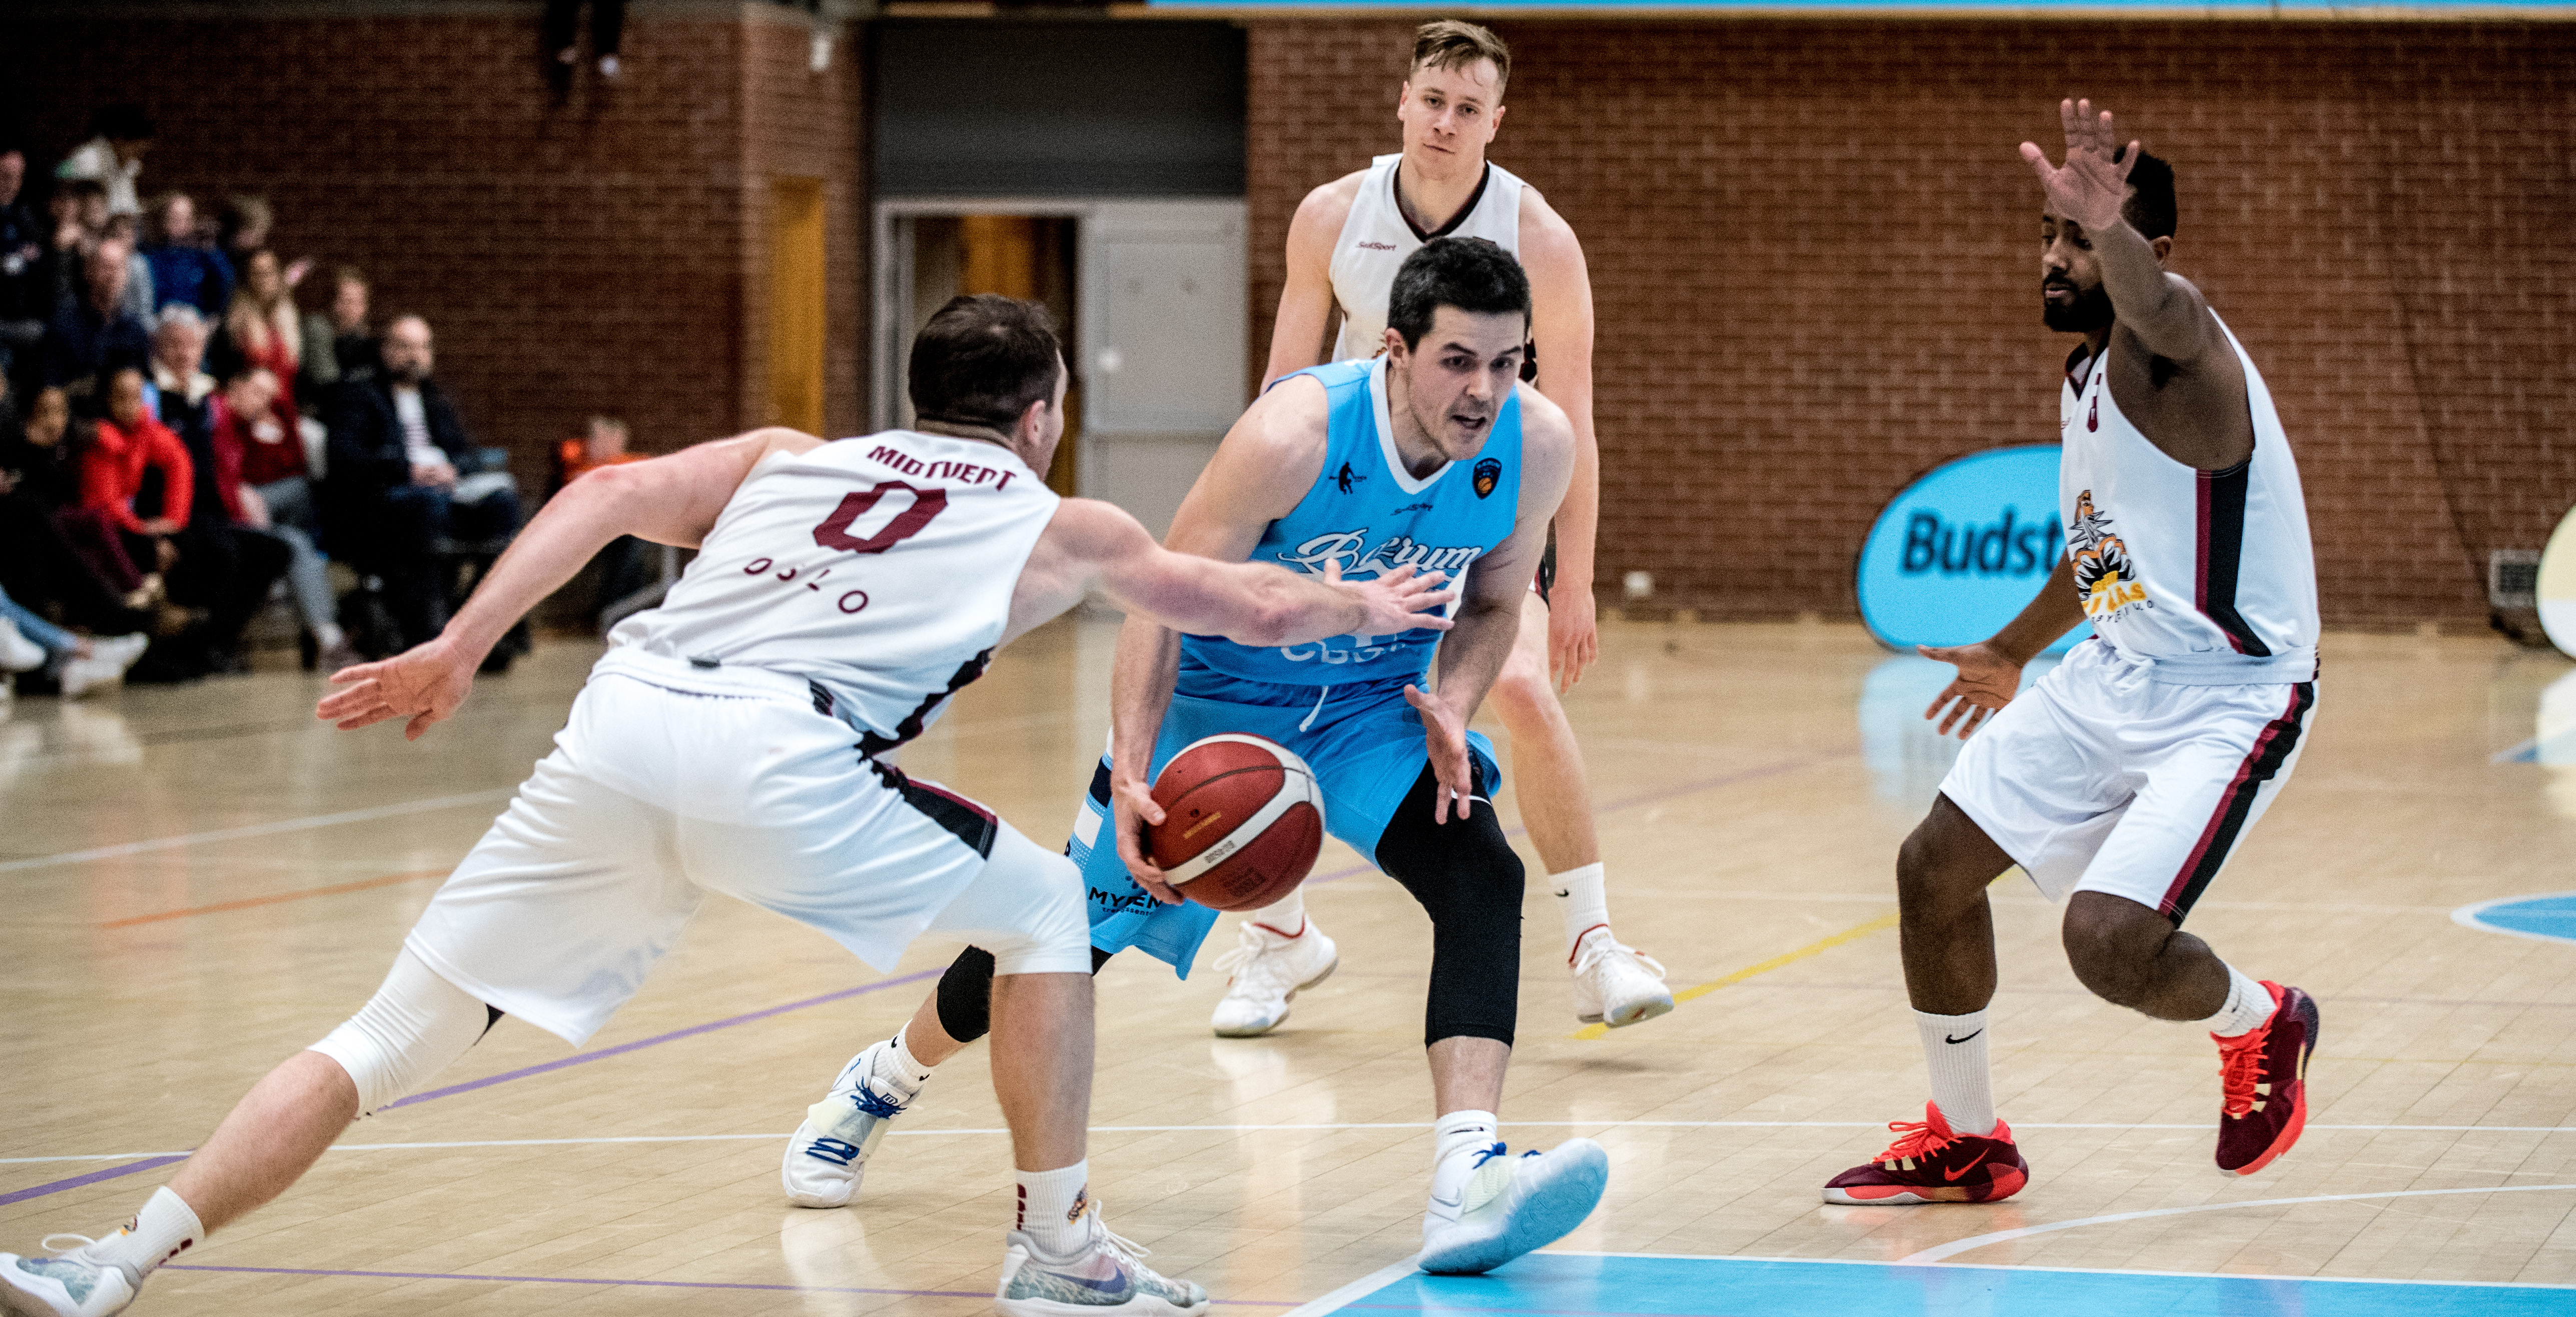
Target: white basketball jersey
point(1377, 237)
point(880, 569)
point(2207, 574)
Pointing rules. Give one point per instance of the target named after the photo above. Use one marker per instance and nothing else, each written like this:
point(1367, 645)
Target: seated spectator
point(93, 333)
point(406, 488)
point(260, 329)
point(54, 553)
point(113, 156)
point(184, 267)
point(261, 484)
point(78, 663)
point(126, 230)
point(214, 570)
point(621, 563)
point(26, 300)
point(338, 344)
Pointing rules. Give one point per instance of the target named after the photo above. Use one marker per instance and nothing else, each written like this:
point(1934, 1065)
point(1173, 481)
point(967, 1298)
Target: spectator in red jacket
point(260, 476)
point(220, 573)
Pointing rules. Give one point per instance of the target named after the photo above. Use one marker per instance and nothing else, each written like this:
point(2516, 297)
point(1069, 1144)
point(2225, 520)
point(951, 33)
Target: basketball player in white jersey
point(2126, 777)
point(1344, 246)
point(730, 741)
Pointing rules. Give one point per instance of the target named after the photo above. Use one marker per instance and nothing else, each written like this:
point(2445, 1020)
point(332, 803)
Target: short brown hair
point(1450, 44)
point(982, 360)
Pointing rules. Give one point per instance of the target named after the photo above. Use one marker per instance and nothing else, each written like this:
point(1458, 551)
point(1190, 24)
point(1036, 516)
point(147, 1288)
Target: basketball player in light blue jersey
point(1431, 456)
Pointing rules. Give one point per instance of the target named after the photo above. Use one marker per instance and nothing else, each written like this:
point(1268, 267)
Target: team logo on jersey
point(1489, 472)
point(1346, 479)
point(2105, 578)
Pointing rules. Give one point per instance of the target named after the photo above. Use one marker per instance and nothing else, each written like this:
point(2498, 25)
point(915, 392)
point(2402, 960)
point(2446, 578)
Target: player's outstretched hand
point(2095, 180)
point(426, 684)
point(1573, 637)
point(1444, 736)
point(1986, 682)
point(1400, 601)
point(1131, 811)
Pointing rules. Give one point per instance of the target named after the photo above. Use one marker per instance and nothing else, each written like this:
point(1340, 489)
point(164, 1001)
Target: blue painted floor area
point(1585, 1285)
point(2530, 916)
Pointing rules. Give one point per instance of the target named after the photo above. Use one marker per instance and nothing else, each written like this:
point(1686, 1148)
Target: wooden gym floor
point(201, 880)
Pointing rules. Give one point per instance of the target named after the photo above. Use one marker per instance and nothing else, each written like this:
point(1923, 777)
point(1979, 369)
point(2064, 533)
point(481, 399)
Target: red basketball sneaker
point(2263, 1076)
point(1930, 1164)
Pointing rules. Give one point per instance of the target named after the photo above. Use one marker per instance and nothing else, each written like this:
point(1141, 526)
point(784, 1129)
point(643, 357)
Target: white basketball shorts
point(2101, 779)
point(670, 783)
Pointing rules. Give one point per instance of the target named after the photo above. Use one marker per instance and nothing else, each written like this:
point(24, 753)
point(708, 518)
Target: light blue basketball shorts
point(1363, 741)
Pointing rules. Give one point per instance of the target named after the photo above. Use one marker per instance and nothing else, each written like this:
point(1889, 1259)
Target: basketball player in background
point(1344, 246)
point(1430, 456)
point(842, 591)
point(2126, 777)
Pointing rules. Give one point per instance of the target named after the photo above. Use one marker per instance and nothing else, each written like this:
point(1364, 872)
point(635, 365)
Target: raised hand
point(2094, 183)
point(1444, 735)
point(426, 684)
point(1397, 602)
point(1987, 681)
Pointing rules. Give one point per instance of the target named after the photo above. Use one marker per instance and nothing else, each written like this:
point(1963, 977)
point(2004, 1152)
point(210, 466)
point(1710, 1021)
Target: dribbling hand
point(425, 684)
point(1131, 811)
point(1986, 682)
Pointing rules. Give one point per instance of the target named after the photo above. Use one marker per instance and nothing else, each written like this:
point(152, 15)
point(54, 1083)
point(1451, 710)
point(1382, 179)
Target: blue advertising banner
point(1956, 554)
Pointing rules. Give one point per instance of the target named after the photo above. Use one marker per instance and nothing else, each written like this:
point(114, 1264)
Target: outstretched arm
point(668, 500)
point(2163, 311)
point(1990, 670)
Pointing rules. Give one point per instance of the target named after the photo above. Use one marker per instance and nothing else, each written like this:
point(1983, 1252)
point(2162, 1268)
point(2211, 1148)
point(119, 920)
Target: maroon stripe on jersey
point(969, 822)
point(917, 721)
point(2222, 553)
point(2236, 804)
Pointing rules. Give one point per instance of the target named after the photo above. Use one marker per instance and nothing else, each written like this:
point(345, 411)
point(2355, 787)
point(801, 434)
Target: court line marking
point(580, 1058)
point(278, 899)
point(2467, 916)
point(426, 806)
point(1334, 1300)
point(1815, 948)
point(2076, 1271)
point(1344, 1125)
point(1941, 1252)
point(654, 1284)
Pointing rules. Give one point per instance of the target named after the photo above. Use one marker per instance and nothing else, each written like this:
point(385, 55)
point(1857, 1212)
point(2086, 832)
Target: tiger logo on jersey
point(2104, 577)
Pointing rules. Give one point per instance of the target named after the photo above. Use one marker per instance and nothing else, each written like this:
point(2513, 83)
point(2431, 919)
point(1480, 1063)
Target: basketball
point(1242, 822)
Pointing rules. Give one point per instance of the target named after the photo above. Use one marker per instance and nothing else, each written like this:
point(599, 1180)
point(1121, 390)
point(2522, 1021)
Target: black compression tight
point(966, 993)
point(1468, 880)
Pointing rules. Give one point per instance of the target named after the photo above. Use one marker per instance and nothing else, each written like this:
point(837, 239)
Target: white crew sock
point(1962, 1087)
point(165, 1228)
point(1286, 916)
point(1052, 1205)
point(898, 1066)
point(2248, 1005)
point(1583, 897)
point(1459, 1135)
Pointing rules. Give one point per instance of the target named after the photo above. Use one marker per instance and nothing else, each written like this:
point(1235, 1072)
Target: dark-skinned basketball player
point(2124, 779)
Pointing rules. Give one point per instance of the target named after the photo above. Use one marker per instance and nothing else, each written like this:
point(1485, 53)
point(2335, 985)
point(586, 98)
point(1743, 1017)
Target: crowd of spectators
point(180, 442)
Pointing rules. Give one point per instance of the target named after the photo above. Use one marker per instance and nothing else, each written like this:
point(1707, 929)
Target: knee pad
point(1468, 880)
point(415, 1026)
point(966, 993)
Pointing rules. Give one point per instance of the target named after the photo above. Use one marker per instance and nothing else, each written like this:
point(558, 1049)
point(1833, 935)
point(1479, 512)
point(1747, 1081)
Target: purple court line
point(584, 1058)
point(659, 1284)
point(1631, 802)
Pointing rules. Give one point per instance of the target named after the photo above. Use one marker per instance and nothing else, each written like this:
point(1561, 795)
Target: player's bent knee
point(1522, 692)
point(1025, 909)
point(1470, 882)
point(415, 1026)
point(2112, 944)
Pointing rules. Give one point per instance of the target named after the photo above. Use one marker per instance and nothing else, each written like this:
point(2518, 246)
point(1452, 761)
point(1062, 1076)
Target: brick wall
point(1813, 252)
point(594, 251)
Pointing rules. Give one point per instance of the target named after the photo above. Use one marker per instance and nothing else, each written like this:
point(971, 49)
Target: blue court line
point(1631, 1285)
point(584, 1058)
point(2546, 918)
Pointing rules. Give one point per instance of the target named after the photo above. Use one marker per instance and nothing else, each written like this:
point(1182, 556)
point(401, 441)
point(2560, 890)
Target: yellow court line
point(1817, 947)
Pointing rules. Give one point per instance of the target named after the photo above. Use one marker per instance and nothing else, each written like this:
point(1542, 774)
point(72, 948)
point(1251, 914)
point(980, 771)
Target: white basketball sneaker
point(829, 1152)
point(1617, 985)
point(1270, 969)
point(1106, 1275)
point(1511, 1205)
point(67, 1284)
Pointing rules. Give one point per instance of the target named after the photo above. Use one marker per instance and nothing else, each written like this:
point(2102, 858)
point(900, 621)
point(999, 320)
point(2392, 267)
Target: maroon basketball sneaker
point(1930, 1164)
point(2263, 1076)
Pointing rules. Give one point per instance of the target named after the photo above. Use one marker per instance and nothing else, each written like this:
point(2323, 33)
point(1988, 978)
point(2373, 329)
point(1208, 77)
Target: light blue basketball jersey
point(1371, 516)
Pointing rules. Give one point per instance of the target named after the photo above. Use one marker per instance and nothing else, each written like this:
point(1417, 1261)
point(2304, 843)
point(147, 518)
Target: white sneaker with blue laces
point(829, 1152)
point(1106, 1276)
point(1511, 1205)
point(67, 1284)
